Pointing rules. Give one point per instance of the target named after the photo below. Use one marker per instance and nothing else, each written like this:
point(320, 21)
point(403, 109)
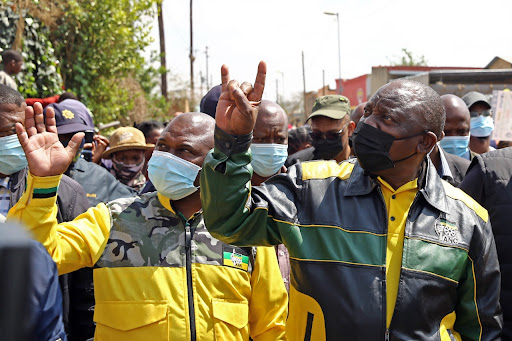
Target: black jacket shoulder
point(458, 166)
point(302, 155)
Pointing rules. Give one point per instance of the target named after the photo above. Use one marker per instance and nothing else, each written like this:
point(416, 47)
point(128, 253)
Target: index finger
point(259, 83)
point(51, 124)
point(30, 123)
point(224, 73)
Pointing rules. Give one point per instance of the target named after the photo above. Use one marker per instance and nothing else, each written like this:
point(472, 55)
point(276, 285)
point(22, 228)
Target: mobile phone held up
point(87, 153)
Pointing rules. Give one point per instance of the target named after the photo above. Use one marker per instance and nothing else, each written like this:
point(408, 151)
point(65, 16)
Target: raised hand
point(237, 108)
point(45, 154)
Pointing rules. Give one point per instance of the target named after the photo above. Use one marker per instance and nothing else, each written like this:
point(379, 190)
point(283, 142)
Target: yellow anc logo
point(68, 114)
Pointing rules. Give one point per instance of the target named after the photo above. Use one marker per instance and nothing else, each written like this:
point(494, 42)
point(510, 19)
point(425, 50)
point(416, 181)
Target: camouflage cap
point(332, 106)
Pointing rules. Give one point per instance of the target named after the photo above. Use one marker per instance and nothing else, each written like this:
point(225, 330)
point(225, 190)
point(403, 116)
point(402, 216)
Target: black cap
point(71, 116)
point(474, 97)
point(209, 102)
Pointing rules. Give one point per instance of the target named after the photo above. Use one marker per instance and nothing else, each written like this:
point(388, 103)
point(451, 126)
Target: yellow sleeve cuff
point(40, 191)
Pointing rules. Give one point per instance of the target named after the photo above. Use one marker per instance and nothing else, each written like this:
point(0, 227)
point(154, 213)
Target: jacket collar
point(431, 188)
point(18, 179)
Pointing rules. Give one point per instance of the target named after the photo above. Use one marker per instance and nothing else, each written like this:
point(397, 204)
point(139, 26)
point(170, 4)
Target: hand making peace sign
point(237, 108)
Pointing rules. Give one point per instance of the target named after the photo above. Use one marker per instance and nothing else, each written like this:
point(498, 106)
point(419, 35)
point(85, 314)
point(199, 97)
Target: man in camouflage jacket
point(158, 275)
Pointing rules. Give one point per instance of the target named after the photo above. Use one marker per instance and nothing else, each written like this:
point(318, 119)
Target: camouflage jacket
point(157, 275)
point(219, 290)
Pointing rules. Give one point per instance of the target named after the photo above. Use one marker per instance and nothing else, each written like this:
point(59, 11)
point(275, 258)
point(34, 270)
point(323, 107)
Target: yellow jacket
point(159, 276)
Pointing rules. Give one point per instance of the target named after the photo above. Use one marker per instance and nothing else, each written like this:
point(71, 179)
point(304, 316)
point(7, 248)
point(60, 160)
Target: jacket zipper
point(386, 333)
point(190, 288)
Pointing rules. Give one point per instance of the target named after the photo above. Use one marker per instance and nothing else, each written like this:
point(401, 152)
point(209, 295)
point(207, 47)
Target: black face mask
point(372, 147)
point(327, 149)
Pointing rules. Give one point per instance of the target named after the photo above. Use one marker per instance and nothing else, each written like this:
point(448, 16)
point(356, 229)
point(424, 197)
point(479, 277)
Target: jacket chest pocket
point(230, 319)
point(129, 321)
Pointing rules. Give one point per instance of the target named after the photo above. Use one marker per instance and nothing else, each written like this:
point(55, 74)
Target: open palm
point(46, 156)
point(237, 108)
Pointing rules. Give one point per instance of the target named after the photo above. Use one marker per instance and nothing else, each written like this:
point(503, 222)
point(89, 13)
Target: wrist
point(230, 144)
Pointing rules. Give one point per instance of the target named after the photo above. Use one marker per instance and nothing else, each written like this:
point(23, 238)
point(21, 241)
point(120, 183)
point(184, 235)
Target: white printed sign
point(502, 101)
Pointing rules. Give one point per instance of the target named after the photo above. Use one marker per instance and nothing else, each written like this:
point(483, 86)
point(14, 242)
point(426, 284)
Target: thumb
point(74, 144)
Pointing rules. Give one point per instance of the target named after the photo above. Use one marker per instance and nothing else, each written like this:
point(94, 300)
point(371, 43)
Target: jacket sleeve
point(478, 312)
point(71, 198)
point(268, 308)
point(72, 245)
point(45, 298)
point(239, 214)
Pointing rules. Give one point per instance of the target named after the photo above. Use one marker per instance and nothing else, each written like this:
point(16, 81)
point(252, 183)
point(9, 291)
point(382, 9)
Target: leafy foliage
point(408, 59)
point(99, 44)
point(40, 74)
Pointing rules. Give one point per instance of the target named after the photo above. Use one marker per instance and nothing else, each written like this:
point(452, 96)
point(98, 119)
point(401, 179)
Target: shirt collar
point(444, 172)
point(4, 182)
point(413, 184)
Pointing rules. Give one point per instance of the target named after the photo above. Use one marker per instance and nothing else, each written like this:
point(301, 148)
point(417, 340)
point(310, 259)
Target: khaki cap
point(126, 138)
point(332, 106)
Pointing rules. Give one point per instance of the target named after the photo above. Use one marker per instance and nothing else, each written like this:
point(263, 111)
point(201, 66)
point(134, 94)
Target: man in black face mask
point(331, 128)
point(380, 247)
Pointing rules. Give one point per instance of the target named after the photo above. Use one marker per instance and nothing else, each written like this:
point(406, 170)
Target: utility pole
point(338, 88)
point(207, 73)
point(304, 83)
point(323, 82)
point(163, 67)
point(191, 59)
point(277, 91)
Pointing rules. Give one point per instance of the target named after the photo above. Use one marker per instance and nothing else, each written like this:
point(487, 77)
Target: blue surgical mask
point(268, 158)
point(457, 145)
point(482, 126)
point(172, 176)
point(12, 156)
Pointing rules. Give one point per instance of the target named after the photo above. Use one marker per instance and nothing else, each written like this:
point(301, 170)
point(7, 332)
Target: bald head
point(271, 125)
point(272, 109)
point(196, 124)
point(188, 136)
point(357, 113)
point(458, 119)
point(418, 102)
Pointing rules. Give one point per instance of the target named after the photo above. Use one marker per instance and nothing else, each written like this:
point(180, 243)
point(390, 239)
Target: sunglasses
point(487, 112)
point(330, 135)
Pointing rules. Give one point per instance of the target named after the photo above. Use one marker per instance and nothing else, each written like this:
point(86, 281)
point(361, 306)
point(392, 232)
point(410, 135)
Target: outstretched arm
point(234, 212)
point(72, 245)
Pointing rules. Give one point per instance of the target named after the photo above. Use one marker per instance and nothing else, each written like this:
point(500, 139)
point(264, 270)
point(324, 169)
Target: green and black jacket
point(333, 220)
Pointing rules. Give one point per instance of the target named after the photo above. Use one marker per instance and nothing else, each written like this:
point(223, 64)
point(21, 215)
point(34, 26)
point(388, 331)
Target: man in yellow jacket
point(159, 274)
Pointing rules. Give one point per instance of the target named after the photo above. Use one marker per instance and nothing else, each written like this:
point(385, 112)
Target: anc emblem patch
point(234, 259)
point(68, 114)
point(447, 232)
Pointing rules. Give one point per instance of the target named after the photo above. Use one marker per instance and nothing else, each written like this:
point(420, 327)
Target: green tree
point(408, 59)
point(99, 44)
point(40, 75)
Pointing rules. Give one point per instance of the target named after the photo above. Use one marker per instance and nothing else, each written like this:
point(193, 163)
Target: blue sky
point(240, 33)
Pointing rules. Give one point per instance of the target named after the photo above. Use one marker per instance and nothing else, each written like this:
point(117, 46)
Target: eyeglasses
point(487, 112)
point(330, 135)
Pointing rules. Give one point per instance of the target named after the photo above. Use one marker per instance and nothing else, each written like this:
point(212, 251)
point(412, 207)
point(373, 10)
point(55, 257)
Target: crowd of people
point(385, 221)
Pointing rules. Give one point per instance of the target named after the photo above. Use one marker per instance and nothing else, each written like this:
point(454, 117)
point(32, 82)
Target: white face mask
point(268, 158)
point(172, 176)
point(12, 156)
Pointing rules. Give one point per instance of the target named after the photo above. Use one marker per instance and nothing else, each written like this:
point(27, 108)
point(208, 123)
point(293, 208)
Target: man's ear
point(351, 126)
point(428, 142)
point(442, 136)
